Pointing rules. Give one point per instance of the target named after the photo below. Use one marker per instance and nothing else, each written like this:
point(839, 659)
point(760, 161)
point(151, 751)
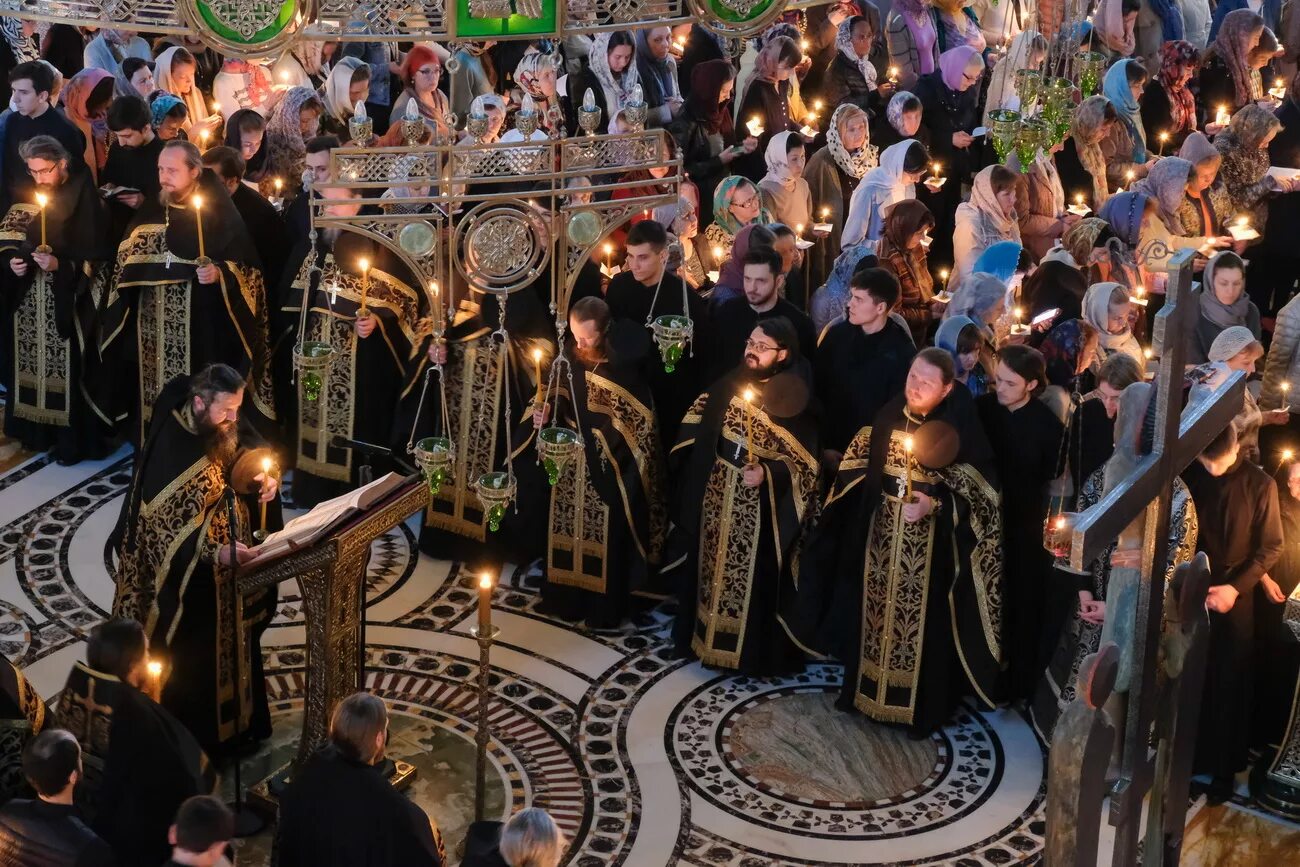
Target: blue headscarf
point(1171, 19)
point(162, 103)
point(1123, 213)
point(949, 330)
point(1000, 260)
point(1115, 88)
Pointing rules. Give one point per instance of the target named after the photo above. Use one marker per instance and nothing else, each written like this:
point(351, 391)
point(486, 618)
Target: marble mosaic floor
point(643, 760)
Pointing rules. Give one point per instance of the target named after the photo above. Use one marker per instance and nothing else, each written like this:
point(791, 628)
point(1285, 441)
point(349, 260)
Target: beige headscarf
point(1088, 118)
point(195, 106)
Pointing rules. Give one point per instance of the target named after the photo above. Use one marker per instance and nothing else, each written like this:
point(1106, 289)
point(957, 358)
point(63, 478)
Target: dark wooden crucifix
point(1139, 508)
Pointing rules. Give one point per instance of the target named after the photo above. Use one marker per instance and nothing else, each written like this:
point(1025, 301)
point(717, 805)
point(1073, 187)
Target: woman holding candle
point(174, 72)
point(1167, 104)
point(1244, 146)
point(1106, 307)
point(902, 252)
point(1125, 148)
point(894, 180)
point(785, 194)
point(951, 98)
point(989, 217)
point(610, 76)
point(1167, 184)
point(420, 73)
point(769, 96)
point(736, 203)
point(348, 84)
point(851, 78)
point(833, 174)
point(1080, 162)
point(1041, 206)
point(682, 222)
point(704, 131)
point(912, 34)
point(1228, 71)
point(296, 119)
point(657, 72)
point(1206, 204)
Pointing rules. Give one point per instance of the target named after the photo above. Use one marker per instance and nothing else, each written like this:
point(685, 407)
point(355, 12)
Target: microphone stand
point(247, 823)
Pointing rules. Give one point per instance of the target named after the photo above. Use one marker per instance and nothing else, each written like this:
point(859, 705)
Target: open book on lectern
point(328, 516)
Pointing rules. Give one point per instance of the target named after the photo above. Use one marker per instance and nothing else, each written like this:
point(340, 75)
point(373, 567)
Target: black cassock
point(50, 321)
point(1026, 447)
point(267, 228)
point(173, 523)
point(857, 374)
point(1241, 533)
point(131, 167)
point(734, 321)
point(1277, 649)
point(914, 610)
point(22, 716)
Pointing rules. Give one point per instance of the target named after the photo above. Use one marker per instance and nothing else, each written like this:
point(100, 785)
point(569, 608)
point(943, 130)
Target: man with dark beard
point(173, 542)
point(746, 480)
point(53, 250)
point(190, 274)
point(607, 519)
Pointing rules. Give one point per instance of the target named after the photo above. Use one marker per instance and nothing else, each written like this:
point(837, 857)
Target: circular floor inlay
point(801, 745)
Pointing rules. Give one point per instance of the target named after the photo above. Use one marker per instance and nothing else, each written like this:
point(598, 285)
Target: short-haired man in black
point(863, 359)
point(32, 82)
point(201, 833)
point(735, 319)
point(262, 219)
point(297, 216)
point(133, 163)
point(48, 829)
point(645, 290)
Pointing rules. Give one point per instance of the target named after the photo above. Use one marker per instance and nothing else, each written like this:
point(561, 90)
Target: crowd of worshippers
point(901, 357)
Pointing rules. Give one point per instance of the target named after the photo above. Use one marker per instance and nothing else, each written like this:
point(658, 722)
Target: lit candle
point(365, 285)
point(42, 200)
point(198, 222)
point(609, 251)
point(1221, 116)
point(804, 45)
point(943, 280)
point(484, 604)
point(1147, 353)
point(817, 106)
point(203, 137)
point(1130, 176)
point(798, 231)
point(1287, 455)
point(1164, 137)
point(749, 425)
point(718, 253)
point(216, 107)
point(893, 75)
point(266, 474)
point(154, 668)
point(755, 126)
point(1139, 296)
point(826, 213)
point(284, 75)
point(907, 470)
point(537, 373)
point(279, 186)
point(1286, 396)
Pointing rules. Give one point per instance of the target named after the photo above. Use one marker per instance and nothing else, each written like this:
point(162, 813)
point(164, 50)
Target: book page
point(305, 529)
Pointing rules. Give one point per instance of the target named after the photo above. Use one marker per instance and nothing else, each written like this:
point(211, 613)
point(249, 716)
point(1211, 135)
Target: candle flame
point(817, 105)
point(1286, 386)
point(278, 184)
point(485, 581)
point(1078, 198)
point(365, 265)
point(1164, 136)
point(826, 212)
point(1287, 454)
point(198, 202)
point(1059, 523)
point(266, 465)
point(433, 287)
point(216, 107)
point(537, 355)
point(749, 395)
point(155, 668)
point(1018, 313)
point(1147, 352)
point(907, 445)
point(798, 228)
point(1130, 175)
point(943, 274)
point(609, 248)
point(42, 199)
point(1243, 221)
point(1140, 291)
point(804, 45)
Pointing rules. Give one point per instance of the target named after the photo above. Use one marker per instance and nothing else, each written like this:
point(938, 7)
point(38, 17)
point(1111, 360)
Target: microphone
point(371, 450)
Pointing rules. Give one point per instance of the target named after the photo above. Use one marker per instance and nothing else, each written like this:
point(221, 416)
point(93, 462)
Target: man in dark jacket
point(48, 830)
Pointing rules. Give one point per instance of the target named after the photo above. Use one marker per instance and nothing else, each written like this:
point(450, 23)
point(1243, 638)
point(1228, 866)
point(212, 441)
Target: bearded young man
point(746, 480)
point(173, 542)
point(190, 274)
point(51, 259)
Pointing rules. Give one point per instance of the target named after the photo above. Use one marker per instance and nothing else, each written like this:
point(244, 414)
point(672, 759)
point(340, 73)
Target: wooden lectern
point(331, 575)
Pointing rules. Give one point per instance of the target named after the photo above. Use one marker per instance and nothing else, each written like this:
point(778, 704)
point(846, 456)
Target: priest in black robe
point(746, 484)
point(22, 716)
point(363, 303)
point(647, 290)
point(1241, 532)
point(173, 540)
point(264, 223)
point(188, 291)
point(139, 762)
point(1025, 436)
point(862, 362)
point(32, 82)
point(129, 177)
point(735, 319)
point(607, 519)
point(52, 263)
point(902, 578)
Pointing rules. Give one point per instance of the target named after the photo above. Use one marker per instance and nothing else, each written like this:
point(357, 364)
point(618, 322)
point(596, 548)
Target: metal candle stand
point(483, 735)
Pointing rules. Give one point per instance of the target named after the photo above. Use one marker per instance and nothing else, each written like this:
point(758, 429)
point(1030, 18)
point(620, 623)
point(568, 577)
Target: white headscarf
point(778, 170)
point(617, 90)
point(881, 188)
point(196, 107)
point(337, 86)
point(844, 42)
point(1002, 83)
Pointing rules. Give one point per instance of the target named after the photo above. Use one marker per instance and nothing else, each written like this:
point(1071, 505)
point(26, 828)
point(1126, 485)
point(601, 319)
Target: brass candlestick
point(485, 633)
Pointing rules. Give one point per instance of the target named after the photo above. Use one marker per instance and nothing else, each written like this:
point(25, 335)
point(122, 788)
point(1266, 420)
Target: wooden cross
point(1141, 504)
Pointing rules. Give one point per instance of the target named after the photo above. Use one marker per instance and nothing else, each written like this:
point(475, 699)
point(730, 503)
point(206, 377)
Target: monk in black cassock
point(607, 518)
point(909, 595)
point(173, 540)
point(1026, 439)
point(139, 763)
point(33, 115)
point(264, 223)
point(131, 170)
point(862, 361)
point(22, 716)
point(647, 290)
point(746, 480)
point(1241, 532)
point(188, 293)
point(50, 307)
point(364, 304)
point(480, 369)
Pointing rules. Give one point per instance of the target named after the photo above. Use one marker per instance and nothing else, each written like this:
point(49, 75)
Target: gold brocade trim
point(579, 523)
point(163, 340)
point(333, 413)
point(42, 359)
point(635, 422)
point(729, 536)
point(13, 228)
point(771, 442)
point(986, 559)
point(895, 594)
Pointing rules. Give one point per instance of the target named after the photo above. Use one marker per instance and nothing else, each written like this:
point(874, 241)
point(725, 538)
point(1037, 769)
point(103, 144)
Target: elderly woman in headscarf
point(833, 173)
point(1113, 24)
point(1106, 307)
point(851, 76)
point(348, 84)
point(968, 343)
point(1224, 303)
point(704, 131)
point(902, 252)
point(1040, 200)
point(1244, 145)
point(785, 192)
point(657, 72)
point(611, 75)
point(536, 76)
point(1238, 349)
point(1080, 162)
point(682, 221)
point(419, 74)
point(736, 203)
point(1228, 78)
point(1206, 206)
point(1125, 148)
point(1097, 615)
point(894, 180)
point(474, 75)
point(1167, 183)
point(912, 33)
point(1028, 51)
point(85, 102)
point(174, 72)
point(989, 217)
point(768, 98)
point(1168, 107)
point(900, 121)
point(296, 118)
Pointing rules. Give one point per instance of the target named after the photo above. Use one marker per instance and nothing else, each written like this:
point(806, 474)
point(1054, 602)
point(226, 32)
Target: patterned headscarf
point(1177, 61)
point(618, 91)
point(529, 71)
point(1080, 239)
point(161, 105)
point(286, 149)
point(859, 162)
point(1238, 35)
point(1063, 348)
point(776, 157)
point(1088, 118)
point(722, 197)
point(1167, 184)
point(24, 47)
point(894, 111)
point(844, 43)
